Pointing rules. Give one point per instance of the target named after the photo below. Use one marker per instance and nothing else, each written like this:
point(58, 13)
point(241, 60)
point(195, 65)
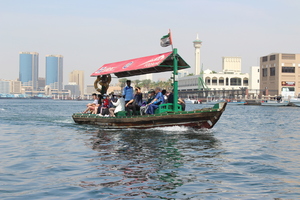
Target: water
point(253, 152)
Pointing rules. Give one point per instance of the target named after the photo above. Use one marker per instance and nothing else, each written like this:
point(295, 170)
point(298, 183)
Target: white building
point(146, 76)
point(231, 64)
point(4, 87)
point(254, 82)
point(216, 81)
point(182, 73)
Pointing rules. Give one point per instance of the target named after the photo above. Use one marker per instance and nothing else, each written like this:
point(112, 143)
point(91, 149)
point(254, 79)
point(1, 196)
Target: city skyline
point(90, 34)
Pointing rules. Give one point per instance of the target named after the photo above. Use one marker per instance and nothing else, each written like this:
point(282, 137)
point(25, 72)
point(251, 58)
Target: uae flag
point(166, 40)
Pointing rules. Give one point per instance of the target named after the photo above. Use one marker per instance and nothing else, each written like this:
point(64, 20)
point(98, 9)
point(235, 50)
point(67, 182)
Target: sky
point(91, 33)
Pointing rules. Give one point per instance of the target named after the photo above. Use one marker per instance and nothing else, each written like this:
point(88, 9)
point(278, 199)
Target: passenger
point(103, 109)
point(128, 92)
point(151, 96)
point(91, 106)
point(119, 106)
point(100, 97)
point(180, 101)
point(135, 103)
point(159, 99)
point(164, 92)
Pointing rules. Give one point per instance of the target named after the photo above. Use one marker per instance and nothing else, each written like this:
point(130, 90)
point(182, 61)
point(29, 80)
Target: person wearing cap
point(159, 99)
point(120, 105)
point(151, 96)
point(128, 92)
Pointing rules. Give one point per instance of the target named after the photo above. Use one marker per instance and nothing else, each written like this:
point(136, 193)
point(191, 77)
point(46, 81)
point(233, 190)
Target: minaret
point(197, 45)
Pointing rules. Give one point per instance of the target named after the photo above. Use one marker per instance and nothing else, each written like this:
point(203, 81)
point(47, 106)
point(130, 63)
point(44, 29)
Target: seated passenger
point(135, 103)
point(159, 99)
point(91, 106)
point(164, 93)
point(151, 96)
point(103, 109)
point(180, 101)
point(100, 98)
point(119, 105)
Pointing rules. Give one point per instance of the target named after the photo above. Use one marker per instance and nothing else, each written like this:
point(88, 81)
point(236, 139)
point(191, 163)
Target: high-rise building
point(280, 74)
point(77, 76)
point(54, 71)
point(197, 45)
point(29, 69)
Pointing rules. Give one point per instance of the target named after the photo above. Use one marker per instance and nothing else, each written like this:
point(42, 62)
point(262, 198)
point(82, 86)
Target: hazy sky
point(91, 33)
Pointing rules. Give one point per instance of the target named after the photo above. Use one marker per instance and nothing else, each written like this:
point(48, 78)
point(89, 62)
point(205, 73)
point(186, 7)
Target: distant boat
point(274, 103)
point(213, 100)
point(236, 103)
point(295, 101)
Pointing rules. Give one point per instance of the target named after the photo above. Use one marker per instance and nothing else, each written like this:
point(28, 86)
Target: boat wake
point(182, 130)
point(65, 121)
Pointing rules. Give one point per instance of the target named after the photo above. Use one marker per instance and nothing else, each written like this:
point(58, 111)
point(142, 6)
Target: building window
point(235, 81)
point(265, 72)
point(257, 70)
point(272, 71)
point(257, 80)
point(265, 58)
point(288, 56)
point(288, 69)
point(245, 82)
point(272, 57)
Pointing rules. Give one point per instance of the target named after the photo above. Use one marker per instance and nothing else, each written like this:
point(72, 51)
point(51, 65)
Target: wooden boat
point(201, 118)
point(166, 114)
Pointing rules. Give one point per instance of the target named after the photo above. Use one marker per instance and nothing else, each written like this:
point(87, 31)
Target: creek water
point(253, 152)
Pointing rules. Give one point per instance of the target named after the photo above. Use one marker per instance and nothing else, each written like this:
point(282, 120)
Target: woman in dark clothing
point(135, 103)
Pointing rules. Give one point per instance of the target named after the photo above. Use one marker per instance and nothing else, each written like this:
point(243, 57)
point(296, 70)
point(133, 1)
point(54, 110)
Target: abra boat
point(169, 114)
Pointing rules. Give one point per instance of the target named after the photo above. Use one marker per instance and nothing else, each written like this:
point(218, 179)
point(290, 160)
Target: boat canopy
point(144, 65)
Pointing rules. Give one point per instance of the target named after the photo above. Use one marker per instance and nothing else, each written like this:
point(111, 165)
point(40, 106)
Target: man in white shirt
point(91, 106)
point(120, 106)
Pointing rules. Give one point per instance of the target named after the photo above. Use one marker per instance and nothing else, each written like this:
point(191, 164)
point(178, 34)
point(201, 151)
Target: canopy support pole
point(175, 78)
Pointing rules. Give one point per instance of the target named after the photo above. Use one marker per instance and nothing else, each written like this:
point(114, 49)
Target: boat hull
point(198, 119)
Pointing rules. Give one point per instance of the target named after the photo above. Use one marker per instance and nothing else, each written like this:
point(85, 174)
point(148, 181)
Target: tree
point(136, 82)
point(146, 83)
point(122, 82)
point(191, 74)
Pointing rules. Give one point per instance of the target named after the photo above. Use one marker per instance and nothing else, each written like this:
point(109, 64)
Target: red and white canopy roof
point(144, 65)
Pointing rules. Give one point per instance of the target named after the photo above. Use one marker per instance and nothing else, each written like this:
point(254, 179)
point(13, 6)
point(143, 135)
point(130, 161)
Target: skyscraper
point(54, 71)
point(29, 69)
point(77, 76)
